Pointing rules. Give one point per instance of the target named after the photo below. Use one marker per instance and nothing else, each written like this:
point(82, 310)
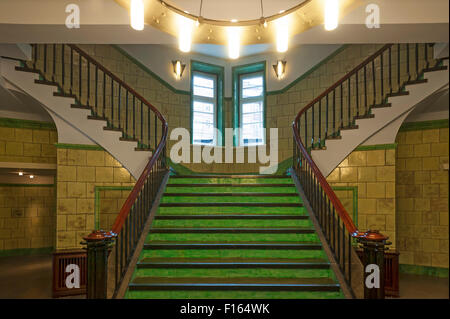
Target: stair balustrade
point(383, 74)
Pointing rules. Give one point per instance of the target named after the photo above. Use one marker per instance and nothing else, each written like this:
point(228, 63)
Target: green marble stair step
point(231, 176)
point(211, 294)
point(230, 204)
point(233, 245)
point(172, 250)
point(233, 237)
point(230, 222)
point(234, 284)
point(233, 263)
point(230, 189)
point(231, 199)
point(195, 194)
point(234, 272)
point(232, 230)
point(236, 181)
point(232, 210)
point(229, 217)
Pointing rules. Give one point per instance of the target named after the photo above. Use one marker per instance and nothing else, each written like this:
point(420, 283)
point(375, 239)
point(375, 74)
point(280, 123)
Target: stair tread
point(234, 261)
point(230, 176)
point(238, 230)
point(233, 194)
point(26, 69)
point(235, 280)
point(231, 204)
point(229, 185)
point(230, 245)
point(230, 216)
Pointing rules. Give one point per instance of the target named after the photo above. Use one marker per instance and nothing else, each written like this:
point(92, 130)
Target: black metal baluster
point(71, 71)
point(149, 127)
point(54, 62)
point(134, 117)
point(96, 90)
point(427, 64)
point(326, 120)
point(79, 78)
point(398, 66)
point(119, 102)
point(334, 112)
point(342, 106)
point(349, 104)
point(320, 123)
point(112, 102)
point(312, 127)
point(126, 113)
point(35, 55)
point(156, 131)
point(62, 66)
point(390, 69)
point(343, 248)
point(306, 127)
point(45, 60)
point(104, 94)
point(374, 84)
point(142, 123)
point(407, 62)
point(366, 110)
point(88, 82)
point(417, 60)
point(382, 76)
point(357, 94)
point(349, 259)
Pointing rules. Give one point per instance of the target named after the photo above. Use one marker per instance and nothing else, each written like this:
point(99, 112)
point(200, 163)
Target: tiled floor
point(31, 277)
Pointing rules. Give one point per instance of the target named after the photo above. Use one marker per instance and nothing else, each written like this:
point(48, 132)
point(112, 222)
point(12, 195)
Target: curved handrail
point(126, 207)
point(341, 211)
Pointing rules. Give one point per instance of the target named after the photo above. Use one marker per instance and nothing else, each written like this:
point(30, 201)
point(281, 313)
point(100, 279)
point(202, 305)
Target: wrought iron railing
point(94, 87)
point(385, 73)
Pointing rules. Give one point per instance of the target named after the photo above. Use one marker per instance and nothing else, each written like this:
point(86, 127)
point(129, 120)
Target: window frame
point(197, 67)
point(237, 72)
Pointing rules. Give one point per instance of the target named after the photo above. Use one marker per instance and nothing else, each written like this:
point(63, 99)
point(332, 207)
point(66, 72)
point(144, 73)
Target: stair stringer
point(123, 151)
point(337, 150)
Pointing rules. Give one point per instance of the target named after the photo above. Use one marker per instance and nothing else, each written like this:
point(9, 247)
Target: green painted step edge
point(424, 125)
point(26, 124)
point(26, 251)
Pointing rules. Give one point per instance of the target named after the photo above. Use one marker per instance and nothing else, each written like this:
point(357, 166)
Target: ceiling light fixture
point(20, 173)
point(178, 69)
point(282, 26)
point(331, 14)
point(137, 14)
point(31, 176)
point(234, 34)
point(184, 33)
point(280, 69)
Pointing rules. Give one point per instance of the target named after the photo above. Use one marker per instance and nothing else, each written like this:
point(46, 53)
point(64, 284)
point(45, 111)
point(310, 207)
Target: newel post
point(97, 244)
point(373, 245)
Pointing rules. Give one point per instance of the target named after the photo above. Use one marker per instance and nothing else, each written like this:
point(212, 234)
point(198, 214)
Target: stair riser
point(183, 218)
point(231, 210)
point(231, 223)
point(235, 266)
point(232, 199)
point(230, 231)
point(234, 287)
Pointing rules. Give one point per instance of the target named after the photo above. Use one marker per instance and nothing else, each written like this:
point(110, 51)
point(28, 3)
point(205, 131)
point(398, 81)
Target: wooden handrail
point(131, 199)
point(341, 211)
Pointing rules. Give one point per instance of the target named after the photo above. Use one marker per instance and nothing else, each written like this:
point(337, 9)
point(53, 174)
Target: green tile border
point(79, 146)
point(26, 185)
point(392, 146)
point(26, 251)
point(97, 190)
point(354, 190)
point(424, 270)
point(424, 125)
point(26, 124)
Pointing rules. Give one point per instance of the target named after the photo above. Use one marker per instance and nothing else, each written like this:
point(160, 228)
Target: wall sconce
point(280, 69)
point(178, 68)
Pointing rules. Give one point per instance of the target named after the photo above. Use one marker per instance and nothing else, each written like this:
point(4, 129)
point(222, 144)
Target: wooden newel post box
point(374, 245)
point(98, 244)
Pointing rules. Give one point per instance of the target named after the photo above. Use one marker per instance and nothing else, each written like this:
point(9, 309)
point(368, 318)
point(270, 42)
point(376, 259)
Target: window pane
point(203, 118)
point(251, 118)
point(252, 87)
point(203, 107)
point(203, 133)
point(252, 107)
point(201, 91)
point(202, 81)
point(252, 133)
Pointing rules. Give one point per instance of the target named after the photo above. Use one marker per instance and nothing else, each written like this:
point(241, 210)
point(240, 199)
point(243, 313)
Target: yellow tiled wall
point(422, 197)
point(27, 145)
point(373, 172)
point(79, 171)
point(27, 217)
point(110, 203)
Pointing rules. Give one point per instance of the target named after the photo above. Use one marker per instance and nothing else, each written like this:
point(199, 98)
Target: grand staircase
point(222, 236)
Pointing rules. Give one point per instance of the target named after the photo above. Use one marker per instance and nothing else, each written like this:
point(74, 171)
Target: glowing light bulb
point(234, 34)
point(20, 173)
point(331, 14)
point(184, 33)
point(282, 26)
point(137, 14)
point(31, 176)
